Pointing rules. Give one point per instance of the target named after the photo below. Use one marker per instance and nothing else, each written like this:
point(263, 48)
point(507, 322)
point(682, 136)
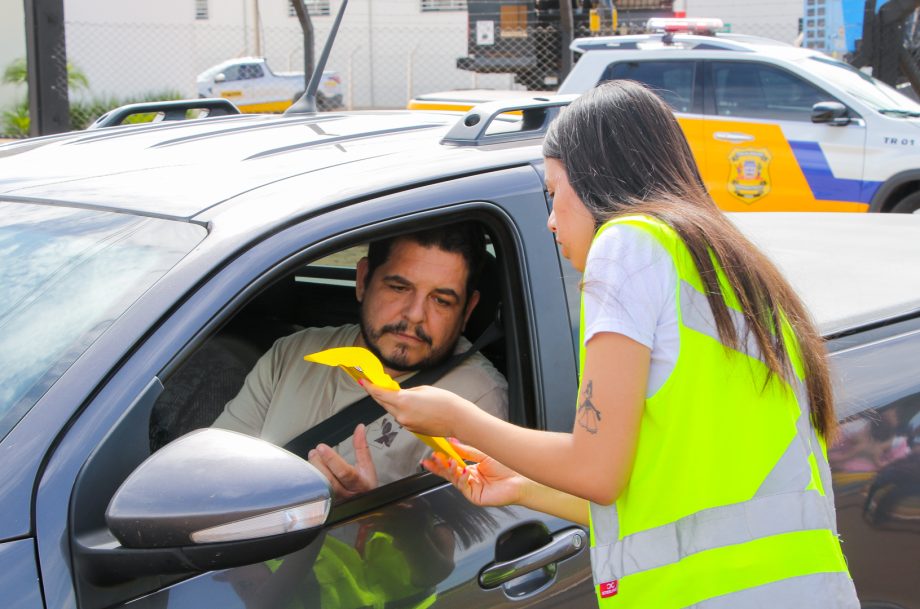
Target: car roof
point(181, 169)
point(692, 43)
point(852, 270)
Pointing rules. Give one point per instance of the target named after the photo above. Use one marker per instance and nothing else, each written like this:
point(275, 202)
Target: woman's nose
point(551, 222)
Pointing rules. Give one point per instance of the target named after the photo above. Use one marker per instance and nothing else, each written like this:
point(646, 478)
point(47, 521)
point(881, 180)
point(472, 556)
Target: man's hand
point(347, 480)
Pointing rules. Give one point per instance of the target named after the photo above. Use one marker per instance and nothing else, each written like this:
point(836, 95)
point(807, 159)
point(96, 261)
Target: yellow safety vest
point(380, 579)
point(729, 504)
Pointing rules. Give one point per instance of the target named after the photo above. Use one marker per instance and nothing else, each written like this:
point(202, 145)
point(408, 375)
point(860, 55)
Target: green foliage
point(15, 122)
point(17, 73)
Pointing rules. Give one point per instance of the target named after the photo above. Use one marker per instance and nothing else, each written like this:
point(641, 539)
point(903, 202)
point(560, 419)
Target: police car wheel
point(907, 205)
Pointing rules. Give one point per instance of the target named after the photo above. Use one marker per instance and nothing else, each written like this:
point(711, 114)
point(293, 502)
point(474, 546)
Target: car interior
point(319, 293)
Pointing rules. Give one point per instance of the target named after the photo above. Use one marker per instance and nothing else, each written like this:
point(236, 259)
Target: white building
point(387, 50)
point(12, 47)
point(777, 19)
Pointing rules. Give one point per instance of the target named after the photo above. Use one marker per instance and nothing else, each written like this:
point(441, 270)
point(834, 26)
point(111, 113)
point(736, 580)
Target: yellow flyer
point(360, 363)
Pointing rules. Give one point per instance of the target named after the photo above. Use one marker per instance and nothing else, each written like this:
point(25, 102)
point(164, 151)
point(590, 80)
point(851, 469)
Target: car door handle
point(563, 545)
point(734, 137)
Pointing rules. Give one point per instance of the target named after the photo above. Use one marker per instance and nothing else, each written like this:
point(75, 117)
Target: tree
point(17, 73)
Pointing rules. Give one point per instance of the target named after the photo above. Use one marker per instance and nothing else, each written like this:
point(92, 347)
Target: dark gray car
point(144, 269)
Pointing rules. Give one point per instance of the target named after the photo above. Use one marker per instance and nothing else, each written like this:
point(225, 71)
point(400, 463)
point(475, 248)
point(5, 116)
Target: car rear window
point(65, 275)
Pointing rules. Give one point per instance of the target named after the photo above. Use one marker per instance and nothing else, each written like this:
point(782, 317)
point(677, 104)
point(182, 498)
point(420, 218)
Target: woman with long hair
point(698, 452)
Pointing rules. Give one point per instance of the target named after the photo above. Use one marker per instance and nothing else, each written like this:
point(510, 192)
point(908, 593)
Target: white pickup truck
point(250, 84)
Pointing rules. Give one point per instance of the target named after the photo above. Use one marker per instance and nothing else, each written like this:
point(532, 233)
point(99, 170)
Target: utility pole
point(306, 24)
point(566, 29)
point(46, 61)
point(257, 26)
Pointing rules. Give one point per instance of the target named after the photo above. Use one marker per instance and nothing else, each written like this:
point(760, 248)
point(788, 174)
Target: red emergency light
point(694, 25)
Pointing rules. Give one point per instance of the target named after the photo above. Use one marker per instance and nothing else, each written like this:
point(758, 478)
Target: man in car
point(416, 292)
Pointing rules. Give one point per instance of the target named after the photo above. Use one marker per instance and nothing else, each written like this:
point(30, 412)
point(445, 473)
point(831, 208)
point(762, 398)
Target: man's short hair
point(464, 238)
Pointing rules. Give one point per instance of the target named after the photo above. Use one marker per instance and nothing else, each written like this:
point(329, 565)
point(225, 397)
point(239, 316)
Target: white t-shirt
point(630, 285)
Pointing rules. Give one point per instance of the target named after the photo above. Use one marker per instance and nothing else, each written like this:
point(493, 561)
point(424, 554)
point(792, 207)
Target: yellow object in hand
point(359, 363)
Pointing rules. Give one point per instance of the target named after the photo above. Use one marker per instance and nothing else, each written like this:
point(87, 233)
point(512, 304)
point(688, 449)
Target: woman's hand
point(485, 483)
point(426, 410)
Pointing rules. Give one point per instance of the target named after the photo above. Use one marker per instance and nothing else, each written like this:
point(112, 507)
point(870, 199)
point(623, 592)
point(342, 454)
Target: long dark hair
point(624, 153)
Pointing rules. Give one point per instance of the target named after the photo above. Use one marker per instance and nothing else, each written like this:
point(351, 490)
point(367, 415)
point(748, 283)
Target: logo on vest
point(609, 589)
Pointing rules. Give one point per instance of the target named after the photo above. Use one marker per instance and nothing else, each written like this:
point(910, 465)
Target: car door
point(875, 462)
point(763, 153)
point(447, 552)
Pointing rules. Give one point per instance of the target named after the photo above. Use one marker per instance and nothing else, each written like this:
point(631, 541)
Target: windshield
point(874, 93)
point(65, 275)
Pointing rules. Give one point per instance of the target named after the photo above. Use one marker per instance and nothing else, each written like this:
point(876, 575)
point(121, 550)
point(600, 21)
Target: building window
point(201, 9)
point(442, 5)
point(314, 7)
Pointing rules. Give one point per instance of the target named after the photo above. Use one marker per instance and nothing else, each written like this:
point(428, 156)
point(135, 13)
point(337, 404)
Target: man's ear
point(470, 305)
point(360, 279)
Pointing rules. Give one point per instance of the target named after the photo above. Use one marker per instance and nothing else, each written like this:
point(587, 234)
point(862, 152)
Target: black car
point(145, 268)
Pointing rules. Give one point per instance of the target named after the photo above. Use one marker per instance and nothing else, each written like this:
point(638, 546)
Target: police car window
point(672, 80)
point(231, 73)
point(250, 70)
point(758, 91)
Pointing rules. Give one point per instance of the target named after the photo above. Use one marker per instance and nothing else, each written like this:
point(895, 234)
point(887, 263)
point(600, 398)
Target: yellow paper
point(360, 363)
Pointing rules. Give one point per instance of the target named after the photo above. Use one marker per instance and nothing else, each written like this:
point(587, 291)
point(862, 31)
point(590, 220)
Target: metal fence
point(387, 51)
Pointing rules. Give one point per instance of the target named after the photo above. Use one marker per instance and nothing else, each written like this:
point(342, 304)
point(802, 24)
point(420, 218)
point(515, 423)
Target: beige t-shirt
point(284, 396)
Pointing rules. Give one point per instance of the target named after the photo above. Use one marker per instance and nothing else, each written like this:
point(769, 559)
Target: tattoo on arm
point(588, 414)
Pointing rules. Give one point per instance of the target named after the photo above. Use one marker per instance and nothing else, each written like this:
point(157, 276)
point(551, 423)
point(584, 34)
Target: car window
point(249, 71)
point(672, 80)
point(875, 463)
point(231, 72)
point(251, 377)
point(66, 275)
point(752, 90)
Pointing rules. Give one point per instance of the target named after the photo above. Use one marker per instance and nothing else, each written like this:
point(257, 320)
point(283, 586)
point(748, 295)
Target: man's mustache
point(401, 327)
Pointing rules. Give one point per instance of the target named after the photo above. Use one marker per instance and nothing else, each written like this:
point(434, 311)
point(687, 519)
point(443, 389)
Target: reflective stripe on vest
point(703, 522)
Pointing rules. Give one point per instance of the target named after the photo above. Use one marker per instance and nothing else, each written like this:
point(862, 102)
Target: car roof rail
point(170, 110)
point(538, 113)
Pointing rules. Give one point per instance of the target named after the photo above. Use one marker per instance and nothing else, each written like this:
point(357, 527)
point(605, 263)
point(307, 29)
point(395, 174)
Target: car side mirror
point(220, 77)
point(830, 112)
point(212, 499)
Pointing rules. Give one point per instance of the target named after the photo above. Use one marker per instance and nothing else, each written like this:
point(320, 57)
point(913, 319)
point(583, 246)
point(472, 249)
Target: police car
point(773, 127)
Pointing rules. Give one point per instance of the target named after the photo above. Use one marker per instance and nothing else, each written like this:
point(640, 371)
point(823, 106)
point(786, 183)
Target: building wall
point(12, 46)
point(386, 50)
point(778, 19)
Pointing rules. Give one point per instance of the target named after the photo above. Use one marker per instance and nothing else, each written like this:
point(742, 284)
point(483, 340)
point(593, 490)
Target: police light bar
point(698, 25)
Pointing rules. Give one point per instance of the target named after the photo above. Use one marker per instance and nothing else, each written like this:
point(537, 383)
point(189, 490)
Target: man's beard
point(399, 361)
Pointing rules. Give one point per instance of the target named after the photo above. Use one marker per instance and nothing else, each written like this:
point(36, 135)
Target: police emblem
point(749, 176)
